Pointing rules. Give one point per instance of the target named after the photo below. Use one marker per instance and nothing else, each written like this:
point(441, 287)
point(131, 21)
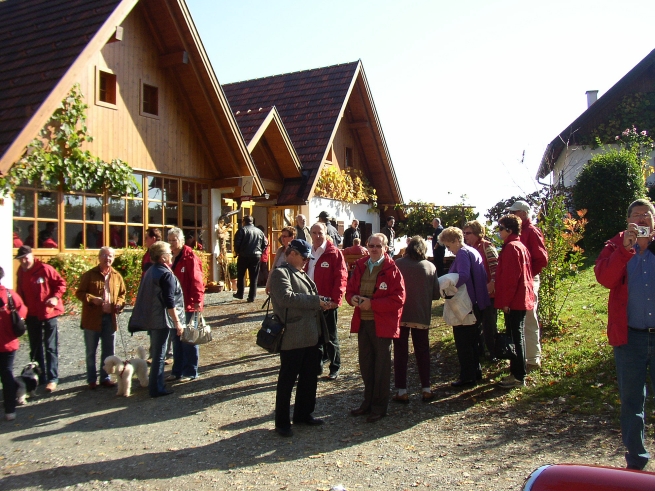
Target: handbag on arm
point(17, 322)
point(270, 334)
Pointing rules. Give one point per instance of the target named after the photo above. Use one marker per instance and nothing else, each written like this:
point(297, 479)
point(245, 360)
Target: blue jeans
point(9, 386)
point(185, 355)
point(633, 361)
point(158, 340)
point(91, 338)
point(43, 333)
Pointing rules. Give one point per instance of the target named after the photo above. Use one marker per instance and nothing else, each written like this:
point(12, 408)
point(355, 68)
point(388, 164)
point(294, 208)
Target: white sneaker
point(10, 416)
point(511, 382)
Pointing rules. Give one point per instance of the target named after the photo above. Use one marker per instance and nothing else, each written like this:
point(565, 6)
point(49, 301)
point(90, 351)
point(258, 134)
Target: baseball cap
point(302, 247)
point(520, 206)
point(23, 251)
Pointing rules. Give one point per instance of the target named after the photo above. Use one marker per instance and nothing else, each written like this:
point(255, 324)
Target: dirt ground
point(217, 431)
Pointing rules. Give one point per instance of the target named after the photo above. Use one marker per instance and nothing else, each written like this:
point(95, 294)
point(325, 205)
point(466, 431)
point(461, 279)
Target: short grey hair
point(176, 232)
point(641, 202)
point(382, 237)
point(321, 225)
point(107, 249)
point(158, 249)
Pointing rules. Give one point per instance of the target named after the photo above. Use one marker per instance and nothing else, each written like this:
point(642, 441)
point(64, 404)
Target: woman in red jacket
point(514, 293)
point(8, 347)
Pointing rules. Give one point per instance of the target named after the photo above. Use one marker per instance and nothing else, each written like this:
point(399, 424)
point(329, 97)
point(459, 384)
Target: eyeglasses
point(374, 246)
point(641, 215)
point(503, 229)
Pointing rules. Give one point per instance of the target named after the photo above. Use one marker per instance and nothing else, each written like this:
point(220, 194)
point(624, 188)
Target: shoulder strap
point(10, 301)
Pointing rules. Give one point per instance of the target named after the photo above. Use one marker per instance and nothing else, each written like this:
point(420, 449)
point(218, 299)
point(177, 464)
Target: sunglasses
point(503, 229)
point(374, 246)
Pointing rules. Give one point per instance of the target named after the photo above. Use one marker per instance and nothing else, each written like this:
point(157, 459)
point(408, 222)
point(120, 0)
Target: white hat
point(520, 206)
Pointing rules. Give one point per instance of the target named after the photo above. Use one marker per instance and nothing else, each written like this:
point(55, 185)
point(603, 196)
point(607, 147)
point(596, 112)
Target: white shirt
point(317, 253)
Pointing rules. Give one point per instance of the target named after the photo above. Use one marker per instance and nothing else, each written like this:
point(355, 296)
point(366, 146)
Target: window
point(150, 100)
point(106, 90)
point(348, 162)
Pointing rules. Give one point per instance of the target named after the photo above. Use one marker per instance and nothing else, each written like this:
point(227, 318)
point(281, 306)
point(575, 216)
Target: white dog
point(27, 382)
point(123, 372)
point(141, 366)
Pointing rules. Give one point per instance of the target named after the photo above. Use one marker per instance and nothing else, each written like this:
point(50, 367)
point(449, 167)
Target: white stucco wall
point(345, 212)
point(7, 244)
point(570, 163)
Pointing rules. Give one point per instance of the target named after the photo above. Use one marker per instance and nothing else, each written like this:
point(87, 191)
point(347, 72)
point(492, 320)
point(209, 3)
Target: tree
point(606, 186)
point(57, 158)
point(419, 216)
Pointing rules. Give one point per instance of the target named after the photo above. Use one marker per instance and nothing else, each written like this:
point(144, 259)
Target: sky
point(468, 93)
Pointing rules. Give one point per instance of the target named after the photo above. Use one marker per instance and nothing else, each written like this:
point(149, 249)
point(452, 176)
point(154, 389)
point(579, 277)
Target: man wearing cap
point(390, 234)
point(332, 232)
point(533, 240)
point(302, 232)
point(296, 301)
point(42, 289)
point(328, 271)
point(377, 291)
point(249, 244)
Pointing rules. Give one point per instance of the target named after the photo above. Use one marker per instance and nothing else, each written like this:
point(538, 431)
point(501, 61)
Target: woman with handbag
point(470, 268)
point(8, 346)
point(296, 301)
point(158, 308)
point(514, 293)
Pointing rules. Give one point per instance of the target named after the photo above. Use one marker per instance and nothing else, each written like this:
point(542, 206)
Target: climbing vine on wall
point(56, 158)
point(348, 185)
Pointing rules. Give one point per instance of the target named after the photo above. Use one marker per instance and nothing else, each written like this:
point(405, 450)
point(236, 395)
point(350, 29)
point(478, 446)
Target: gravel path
point(217, 432)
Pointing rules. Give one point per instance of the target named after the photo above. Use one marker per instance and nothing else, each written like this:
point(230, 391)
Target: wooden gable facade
point(331, 120)
point(153, 101)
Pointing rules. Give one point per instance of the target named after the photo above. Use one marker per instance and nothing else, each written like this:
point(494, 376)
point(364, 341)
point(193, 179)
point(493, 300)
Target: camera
point(643, 231)
point(326, 299)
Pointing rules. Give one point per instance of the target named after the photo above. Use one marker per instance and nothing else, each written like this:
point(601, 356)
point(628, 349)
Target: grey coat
point(295, 298)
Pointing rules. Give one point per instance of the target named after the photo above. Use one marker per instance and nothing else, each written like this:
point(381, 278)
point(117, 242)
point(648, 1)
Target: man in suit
point(352, 233)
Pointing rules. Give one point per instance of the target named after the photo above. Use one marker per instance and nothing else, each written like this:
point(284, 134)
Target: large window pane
point(73, 208)
point(74, 235)
point(170, 188)
point(189, 216)
point(23, 203)
point(94, 208)
point(171, 215)
point(116, 209)
point(135, 237)
point(47, 204)
point(94, 236)
point(139, 179)
point(117, 236)
point(204, 217)
point(47, 237)
point(25, 231)
point(155, 188)
point(135, 211)
point(202, 194)
point(188, 192)
point(155, 213)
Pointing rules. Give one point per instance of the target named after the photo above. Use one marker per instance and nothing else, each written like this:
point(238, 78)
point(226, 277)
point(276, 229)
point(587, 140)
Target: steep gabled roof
point(598, 112)
point(56, 40)
point(311, 104)
point(39, 41)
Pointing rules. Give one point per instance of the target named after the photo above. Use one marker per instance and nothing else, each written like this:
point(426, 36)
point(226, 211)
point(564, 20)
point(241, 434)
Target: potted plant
point(233, 271)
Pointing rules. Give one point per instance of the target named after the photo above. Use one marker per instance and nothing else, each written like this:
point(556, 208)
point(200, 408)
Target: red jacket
point(38, 284)
point(189, 272)
point(331, 273)
point(8, 340)
point(611, 272)
point(387, 301)
point(532, 238)
point(514, 276)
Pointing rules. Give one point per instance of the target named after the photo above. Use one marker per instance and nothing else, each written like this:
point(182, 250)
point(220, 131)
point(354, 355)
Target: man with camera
point(626, 266)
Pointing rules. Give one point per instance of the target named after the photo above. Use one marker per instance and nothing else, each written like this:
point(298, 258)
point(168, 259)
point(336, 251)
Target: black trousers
point(250, 264)
point(466, 342)
point(295, 364)
point(331, 350)
point(514, 320)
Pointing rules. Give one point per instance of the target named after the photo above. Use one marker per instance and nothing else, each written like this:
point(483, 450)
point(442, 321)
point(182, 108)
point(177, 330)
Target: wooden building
point(153, 102)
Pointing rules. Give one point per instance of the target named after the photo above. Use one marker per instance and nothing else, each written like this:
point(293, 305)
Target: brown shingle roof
point(39, 41)
point(309, 103)
point(250, 121)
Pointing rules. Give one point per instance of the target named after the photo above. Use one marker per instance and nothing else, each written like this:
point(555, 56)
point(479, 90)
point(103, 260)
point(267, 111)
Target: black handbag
point(17, 322)
point(270, 334)
point(505, 348)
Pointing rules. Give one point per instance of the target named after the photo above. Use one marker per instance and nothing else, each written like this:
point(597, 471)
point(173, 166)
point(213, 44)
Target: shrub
point(71, 267)
point(606, 186)
point(128, 264)
point(419, 216)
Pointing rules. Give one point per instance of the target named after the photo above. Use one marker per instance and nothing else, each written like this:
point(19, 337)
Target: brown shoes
point(403, 399)
point(50, 386)
point(374, 418)
point(428, 396)
point(359, 411)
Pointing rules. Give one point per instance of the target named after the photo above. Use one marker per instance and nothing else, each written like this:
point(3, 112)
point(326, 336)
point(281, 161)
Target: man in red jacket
point(626, 266)
point(42, 290)
point(533, 240)
point(328, 270)
point(188, 270)
point(377, 291)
